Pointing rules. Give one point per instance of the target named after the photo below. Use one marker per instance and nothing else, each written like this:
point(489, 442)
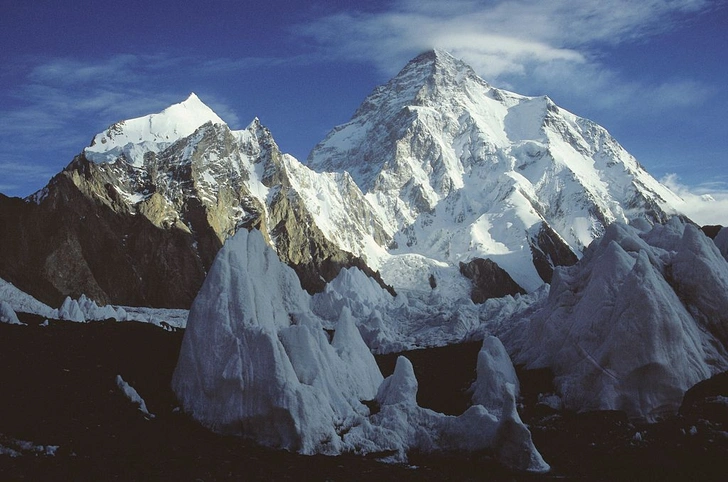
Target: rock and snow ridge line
point(458, 169)
point(436, 163)
point(151, 133)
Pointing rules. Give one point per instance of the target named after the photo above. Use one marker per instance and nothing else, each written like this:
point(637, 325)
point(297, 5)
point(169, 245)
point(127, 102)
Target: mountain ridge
point(446, 158)
point(435, 164)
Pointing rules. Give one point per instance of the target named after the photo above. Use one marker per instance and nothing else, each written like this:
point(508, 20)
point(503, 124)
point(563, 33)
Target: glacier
point(257, 362)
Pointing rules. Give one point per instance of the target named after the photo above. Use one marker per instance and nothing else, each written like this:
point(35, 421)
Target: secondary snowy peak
point(183, 174)
point(151, 133)
point(459, 169)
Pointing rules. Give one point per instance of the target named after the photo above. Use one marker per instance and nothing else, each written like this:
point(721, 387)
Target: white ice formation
point(639, 320)
point(7, 314)
point(70, 310)
point(22, 302)
point(85, 309)
point(257, 362)
point(133, 396)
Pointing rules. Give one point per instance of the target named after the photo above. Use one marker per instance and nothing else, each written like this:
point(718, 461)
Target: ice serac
point(402, 426)
point(495, 372)
point(460, 169)
point(7, 314)
point(255, 361)
point(23, 302)
point(721, 241)
point(634, 324)
point(71, 310)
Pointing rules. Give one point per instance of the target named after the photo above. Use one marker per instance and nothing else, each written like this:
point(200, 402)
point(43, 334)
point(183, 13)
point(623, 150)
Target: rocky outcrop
point(70, 245)
point(489, 280)
point(550, 250)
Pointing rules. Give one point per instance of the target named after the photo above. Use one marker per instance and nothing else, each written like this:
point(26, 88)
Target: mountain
point(458, 169)
point(138, 217)
point(437, 176)
point(134, 138)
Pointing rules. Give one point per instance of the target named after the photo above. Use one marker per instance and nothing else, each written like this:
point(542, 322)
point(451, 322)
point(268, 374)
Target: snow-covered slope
point(187, 151)
point(634, 324)
point(458, 169)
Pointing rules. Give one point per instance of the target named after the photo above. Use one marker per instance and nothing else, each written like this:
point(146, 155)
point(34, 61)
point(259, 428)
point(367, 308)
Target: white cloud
point(60, 91)
point(524, 28)
point(532, 46)
point(704, 204)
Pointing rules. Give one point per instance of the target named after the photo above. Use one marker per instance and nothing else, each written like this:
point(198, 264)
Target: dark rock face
point(711, 230)
point(489, 280)
point(707, 400)
point(550, 250)
point(71, 245)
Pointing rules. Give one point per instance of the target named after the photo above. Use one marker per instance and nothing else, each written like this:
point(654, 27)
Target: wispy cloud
point(704, 204)
point(537, 47)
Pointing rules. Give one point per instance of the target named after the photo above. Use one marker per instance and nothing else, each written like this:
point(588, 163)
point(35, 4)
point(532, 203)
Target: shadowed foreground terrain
point(58, 389)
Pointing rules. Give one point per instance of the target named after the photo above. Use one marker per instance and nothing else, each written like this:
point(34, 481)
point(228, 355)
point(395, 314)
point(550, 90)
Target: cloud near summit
point(515, 32)
point(535, 46)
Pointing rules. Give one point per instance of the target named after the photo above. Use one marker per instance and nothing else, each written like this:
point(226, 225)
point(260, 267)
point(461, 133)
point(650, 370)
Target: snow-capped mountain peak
point(154, 132)
point(458, 169)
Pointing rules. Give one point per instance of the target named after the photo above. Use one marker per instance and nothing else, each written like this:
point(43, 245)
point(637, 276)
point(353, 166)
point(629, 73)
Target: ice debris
point(133, 396)
point(7, 314)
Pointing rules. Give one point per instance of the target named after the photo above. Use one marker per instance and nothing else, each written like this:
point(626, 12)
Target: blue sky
point(653, 72)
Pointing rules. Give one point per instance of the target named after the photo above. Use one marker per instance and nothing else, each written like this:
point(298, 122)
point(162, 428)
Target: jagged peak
point(428, 76)
point(439, 65)
point(435, 56)
point(255, 124)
